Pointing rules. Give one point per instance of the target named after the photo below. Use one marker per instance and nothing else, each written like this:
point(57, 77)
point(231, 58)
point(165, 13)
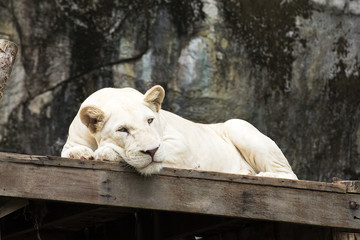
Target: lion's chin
point(152, 168)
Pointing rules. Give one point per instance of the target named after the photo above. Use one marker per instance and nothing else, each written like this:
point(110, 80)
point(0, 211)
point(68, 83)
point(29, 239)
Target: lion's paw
point(277, 175)
point(107, 154)
point(79, 152)
point(266, 174)
point(246, 172)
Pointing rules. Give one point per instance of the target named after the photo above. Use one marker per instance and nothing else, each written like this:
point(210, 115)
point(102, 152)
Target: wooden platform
point(110, 190)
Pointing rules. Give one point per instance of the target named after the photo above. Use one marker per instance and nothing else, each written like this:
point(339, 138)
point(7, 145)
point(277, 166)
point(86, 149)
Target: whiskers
point(127, 166)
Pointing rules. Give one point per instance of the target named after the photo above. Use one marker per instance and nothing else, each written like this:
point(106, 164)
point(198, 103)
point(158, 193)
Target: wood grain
point(8, 206)
point(102, 183)
point(340, 187)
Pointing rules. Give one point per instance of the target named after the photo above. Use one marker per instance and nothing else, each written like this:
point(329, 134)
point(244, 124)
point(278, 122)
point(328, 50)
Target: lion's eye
point(124, 130)
point(150, 120)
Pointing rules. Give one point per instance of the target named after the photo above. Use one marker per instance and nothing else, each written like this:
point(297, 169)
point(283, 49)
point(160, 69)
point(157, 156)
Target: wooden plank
point(185, 225)
point(81, 220)
point(351, 186)
point(65, 217)
point(8, 206)
point(346, 236)
point(70, 181)
point(46, 234)
point(340, 187)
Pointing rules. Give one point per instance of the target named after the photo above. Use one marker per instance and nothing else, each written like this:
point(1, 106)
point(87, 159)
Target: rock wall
point(289, 67)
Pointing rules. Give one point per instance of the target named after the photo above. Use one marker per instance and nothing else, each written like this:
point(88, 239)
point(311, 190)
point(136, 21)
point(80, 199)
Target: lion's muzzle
point(151, 152)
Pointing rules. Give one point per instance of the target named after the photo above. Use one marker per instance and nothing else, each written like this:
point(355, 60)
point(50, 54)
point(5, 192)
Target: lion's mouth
point(152, 162)
point(151, 154)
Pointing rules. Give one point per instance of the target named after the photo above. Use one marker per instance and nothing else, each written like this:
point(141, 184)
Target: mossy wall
point(291, 68)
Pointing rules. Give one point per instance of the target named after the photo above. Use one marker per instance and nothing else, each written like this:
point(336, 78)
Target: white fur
point(234, 146)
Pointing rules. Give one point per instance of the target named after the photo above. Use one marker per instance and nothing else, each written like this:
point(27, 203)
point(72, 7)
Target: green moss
point(267, 29)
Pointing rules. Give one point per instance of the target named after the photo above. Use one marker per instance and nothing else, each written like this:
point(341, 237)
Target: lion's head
point(126, 126)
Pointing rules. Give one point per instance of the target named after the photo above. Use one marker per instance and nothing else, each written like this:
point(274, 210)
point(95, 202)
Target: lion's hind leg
point(258, 150)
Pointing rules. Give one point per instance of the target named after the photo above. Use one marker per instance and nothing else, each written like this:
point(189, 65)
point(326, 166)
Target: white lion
point(125, 125)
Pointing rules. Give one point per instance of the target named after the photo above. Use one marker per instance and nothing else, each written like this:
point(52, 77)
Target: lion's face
point(127, 128)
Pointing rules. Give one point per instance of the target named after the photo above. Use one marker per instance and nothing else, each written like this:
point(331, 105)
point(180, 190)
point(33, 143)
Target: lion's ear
point(92, 117)
point(154, 96)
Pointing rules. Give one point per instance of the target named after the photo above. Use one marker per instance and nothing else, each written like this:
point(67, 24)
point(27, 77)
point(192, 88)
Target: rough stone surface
point(291, 68)
point(8, 52)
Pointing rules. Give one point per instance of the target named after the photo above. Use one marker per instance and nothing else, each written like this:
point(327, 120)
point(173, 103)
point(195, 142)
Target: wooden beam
point(346, 236)
point(102, 183)
point(182, 225)
point(8, 206)
point(8, 52)
point(66, 217)
point(351, 186)
point(336, 186)
point(76, 220)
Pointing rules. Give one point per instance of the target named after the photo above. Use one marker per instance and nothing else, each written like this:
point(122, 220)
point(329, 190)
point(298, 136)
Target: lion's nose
point(150, 152)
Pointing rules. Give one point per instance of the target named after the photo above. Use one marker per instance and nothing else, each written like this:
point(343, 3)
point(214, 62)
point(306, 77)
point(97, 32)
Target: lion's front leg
point(108, 153)
point(78, 152)
point(259, 151)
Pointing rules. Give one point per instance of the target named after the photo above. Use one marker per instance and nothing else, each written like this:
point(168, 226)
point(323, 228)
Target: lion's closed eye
point(123, 129)
point(150, 120)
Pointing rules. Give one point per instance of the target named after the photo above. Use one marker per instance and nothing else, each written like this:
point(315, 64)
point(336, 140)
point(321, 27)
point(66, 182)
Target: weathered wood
point(51, 178)
point(351, 186)
point(67, 218)
point(8, 206)
point(340, 187)
point(77, 219)
point(149, 224)
point(346, 236)
point(8, 52)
